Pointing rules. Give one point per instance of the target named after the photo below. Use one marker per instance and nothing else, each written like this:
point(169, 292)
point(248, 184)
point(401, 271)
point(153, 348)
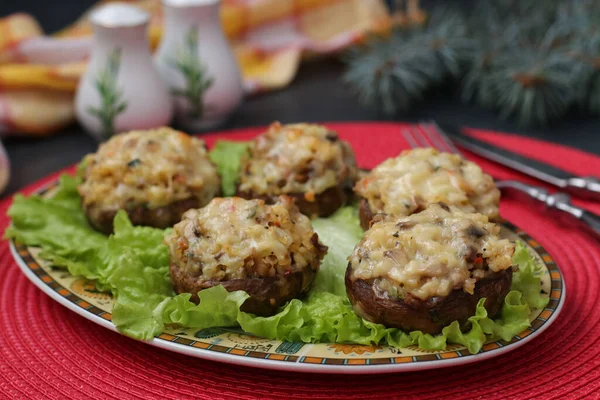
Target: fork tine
point(435, 139)
point(439, 138)
point(428, 135)
point(409, 137)
point(422, 139)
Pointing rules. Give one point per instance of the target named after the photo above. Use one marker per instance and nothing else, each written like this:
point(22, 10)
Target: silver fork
point(427, 135)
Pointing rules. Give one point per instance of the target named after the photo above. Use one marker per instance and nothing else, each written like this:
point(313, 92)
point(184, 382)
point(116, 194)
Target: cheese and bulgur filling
point(431, 253)
point(418, 177)
point(234, 238)
point(152, 168)
point(298, 158)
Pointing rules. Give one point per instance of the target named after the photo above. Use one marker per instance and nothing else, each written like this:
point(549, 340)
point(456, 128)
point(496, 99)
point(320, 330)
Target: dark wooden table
point(316, 95)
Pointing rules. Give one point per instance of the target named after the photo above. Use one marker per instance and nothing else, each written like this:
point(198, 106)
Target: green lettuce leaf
point(321, 317)
point(326, 314)
point(58, 225)
point(133, 264)
point(425, 341)
point(135, 268)
point(228, 157)
point(527, 279)
point(220, 308)
point(340, 232)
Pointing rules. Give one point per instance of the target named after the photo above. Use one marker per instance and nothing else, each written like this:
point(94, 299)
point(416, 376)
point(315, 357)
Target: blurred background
point(525, 67)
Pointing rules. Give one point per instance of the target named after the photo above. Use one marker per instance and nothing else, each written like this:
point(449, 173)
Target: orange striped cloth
point(39, 74)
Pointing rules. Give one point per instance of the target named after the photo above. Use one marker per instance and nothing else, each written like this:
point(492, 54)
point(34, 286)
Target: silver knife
point(587, 187)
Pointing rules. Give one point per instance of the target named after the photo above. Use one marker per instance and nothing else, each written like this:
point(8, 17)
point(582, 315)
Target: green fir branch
point(529, 60)
point(532, 87)
point(393, 74)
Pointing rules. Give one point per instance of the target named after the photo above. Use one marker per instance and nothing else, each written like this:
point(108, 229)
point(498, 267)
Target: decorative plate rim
point(298, 363)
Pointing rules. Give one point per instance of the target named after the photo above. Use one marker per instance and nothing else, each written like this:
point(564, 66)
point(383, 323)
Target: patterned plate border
point(215, 352)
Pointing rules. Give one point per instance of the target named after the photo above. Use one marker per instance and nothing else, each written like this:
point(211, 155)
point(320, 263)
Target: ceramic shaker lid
point(119, 14)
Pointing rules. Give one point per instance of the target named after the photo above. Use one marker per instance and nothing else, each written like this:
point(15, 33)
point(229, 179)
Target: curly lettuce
point(326, 315)
point(132, 264)
point(228, 156)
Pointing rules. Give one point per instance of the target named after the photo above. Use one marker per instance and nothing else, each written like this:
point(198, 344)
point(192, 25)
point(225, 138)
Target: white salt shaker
point(121, 89)
point(195, 60)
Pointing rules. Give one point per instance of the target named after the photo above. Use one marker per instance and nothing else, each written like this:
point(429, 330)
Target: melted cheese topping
point(152, 168)
point(431, 253)
point(298, 158)
point(233, 238)
point(409, 182)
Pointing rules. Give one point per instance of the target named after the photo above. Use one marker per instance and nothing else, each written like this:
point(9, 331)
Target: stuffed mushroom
point(307, 162)
point(269, 251)
point(155, 176)
point(416, 178)
point(424, 271)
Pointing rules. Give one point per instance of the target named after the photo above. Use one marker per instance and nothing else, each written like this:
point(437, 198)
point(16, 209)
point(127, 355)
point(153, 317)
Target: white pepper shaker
point(195, 60)
point(121, 89)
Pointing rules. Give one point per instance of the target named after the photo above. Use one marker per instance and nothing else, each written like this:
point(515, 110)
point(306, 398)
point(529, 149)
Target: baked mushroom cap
point(416, 178)
point(424, 271)
point(269, 251)
point(304, 161)
point(154, 175)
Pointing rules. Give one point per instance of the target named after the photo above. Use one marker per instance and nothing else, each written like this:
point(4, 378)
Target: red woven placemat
point(47, 351)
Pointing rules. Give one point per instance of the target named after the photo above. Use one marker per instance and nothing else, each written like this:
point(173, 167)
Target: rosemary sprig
point(110, 94)
point(188, 62)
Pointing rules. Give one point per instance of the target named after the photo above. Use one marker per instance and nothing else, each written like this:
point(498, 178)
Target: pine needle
point(530, 60)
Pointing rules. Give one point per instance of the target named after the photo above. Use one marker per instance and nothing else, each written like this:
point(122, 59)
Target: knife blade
point(587, 187)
